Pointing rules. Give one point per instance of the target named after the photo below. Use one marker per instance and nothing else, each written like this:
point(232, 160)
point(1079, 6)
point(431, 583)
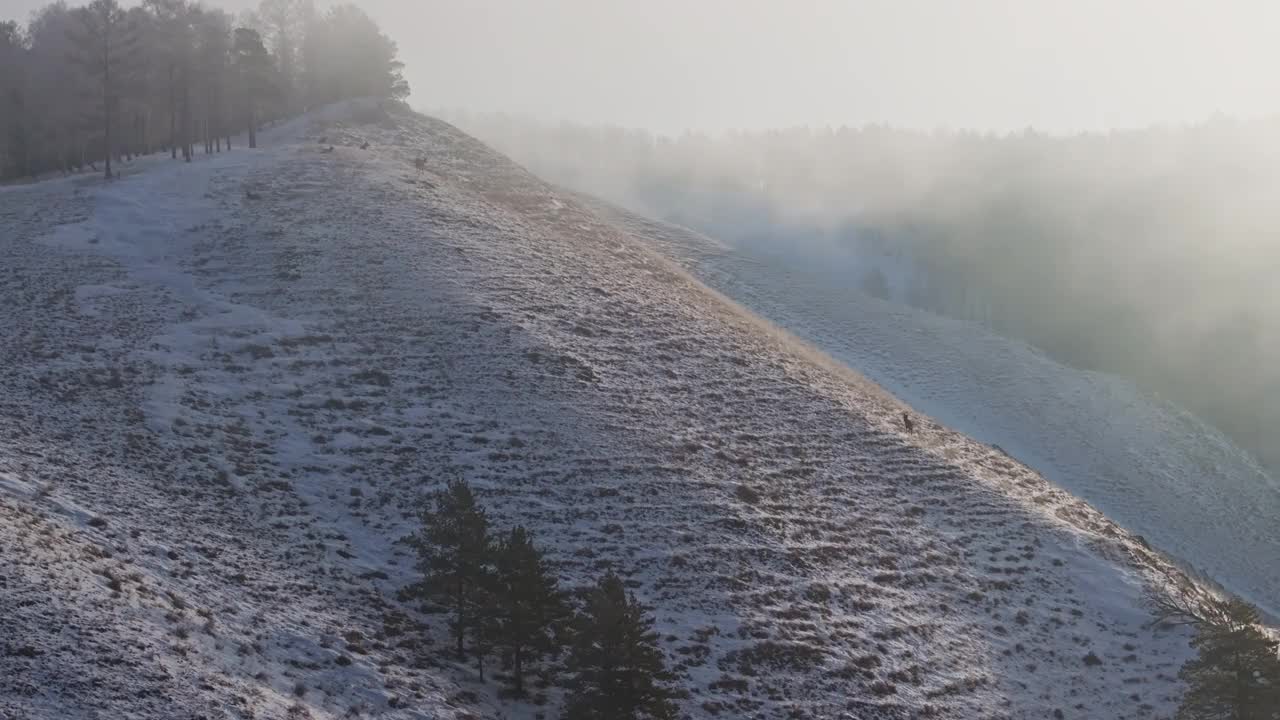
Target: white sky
point(1059, 65)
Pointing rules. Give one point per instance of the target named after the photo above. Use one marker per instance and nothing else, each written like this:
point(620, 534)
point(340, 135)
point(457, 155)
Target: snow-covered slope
point(225, 385)
point(1153, 467)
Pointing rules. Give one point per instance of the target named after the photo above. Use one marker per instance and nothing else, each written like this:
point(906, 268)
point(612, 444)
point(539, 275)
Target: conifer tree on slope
point(455, 557)
point(528, 605)
point(618, 670)
point(1236, 675)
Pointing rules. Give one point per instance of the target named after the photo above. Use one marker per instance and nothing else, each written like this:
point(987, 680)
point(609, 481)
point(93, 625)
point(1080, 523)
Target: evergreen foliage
point(528, 608)
point(504, 596)
point(1236, 675)
point(618, 671)
point(455, 557)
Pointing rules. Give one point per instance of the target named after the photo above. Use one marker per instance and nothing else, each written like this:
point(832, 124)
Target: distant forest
point(83, 86)
point(1152, 254)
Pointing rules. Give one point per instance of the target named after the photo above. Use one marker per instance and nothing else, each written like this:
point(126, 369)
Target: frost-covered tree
point(213, 50)
point(15, 58)
point(107, 44)
point(252, 66)
point(167, 49)
point(100, 81)
point(617, 670)
point(283, 30)
point(351, 57)
point(59, 90)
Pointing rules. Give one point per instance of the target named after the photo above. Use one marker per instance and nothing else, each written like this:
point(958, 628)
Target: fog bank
point(1150, 254)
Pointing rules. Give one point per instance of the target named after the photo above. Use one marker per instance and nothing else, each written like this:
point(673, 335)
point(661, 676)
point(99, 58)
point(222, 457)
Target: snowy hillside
point(225, 385)
point(1154, 467)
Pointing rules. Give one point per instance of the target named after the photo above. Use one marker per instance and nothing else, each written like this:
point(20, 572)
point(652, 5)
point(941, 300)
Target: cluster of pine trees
point(79, 85)
point(504, 599)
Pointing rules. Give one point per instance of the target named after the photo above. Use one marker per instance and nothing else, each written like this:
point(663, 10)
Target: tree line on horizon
point(101, 82)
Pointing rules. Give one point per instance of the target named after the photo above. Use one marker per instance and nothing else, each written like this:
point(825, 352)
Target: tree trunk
point(173, 116)
point(210, 127)
point(462, 628)
point(106, 104)
point(28, 167)
point(186, 118)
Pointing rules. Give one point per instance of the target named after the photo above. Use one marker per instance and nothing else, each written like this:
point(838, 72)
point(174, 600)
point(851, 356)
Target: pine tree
point(356, 59)
point(214, 52)
point(99, 81)
point(528, 607)
point(59, 88)
point(1236, 675)
point(455, 557)
point(618, 670)
point(106, 45)
point(252, 67)
point(169, 46)
point(14, 146)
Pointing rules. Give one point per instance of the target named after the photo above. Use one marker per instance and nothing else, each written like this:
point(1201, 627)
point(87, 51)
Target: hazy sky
point(1059, 65)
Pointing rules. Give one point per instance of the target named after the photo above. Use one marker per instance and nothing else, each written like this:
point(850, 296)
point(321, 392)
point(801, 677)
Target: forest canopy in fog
point(1150, 253)
point(90, 84)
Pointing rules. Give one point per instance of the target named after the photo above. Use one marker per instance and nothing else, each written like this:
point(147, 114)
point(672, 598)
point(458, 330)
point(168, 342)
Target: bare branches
point(1183, 607)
